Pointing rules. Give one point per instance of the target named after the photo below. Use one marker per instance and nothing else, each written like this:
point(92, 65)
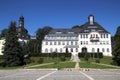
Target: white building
point(2, 41)
point(90, 37)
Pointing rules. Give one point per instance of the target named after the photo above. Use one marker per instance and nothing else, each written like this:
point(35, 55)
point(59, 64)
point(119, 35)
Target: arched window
point(108, 50)
point(93, 49)
point(61, 50)
point(103, 50)
point(55, 49)
point(71, 49)
point(51, 50)
point(46, 50)
point(84, 50)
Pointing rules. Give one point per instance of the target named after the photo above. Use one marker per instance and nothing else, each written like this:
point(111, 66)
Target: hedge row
point(91, 55)
point(55, 54)
point(81, 55)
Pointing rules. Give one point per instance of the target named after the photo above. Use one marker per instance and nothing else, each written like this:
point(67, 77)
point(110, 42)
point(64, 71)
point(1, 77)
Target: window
point(71, 43)
point(106, 35)
point(86, 42)
point(108, 50)
point(63, 43)
point(81, 35)
point(76, 43)
point(98, 50)
point(103, 50)
point(67, 43)
point(107, 42)
point(50, 43)
point(59, 43)
point(46, 50)
point(81, 42)
point(61, 50)
point(54, 43)
point(93, 49)
point(101, 36)
point(96, 36)
point(46, 43)
point(86, 35)
point(55, 49)
point(71, 49)
point(76, 49)
point(51, 50)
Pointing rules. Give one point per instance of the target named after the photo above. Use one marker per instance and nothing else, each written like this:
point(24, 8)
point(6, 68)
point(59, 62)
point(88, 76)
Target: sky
point(60, 13)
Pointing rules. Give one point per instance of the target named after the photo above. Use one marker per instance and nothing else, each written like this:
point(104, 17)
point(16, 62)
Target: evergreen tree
point(12, 53)
point(41, 33)
point(116, 48)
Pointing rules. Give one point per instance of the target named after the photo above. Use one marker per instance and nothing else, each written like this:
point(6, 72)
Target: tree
point(3, 33)
point(76, 26)
point(41, 34)
point(26, 53)
point(33, 46)
point(116, 48)
point(12, 53)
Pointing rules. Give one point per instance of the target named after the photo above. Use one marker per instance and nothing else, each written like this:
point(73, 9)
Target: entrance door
point(84, 50)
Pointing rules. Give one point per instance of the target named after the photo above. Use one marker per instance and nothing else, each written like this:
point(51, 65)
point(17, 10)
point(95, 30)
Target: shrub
point(40, 60)
point(87, 56)
point(97, 60)
point(62, 58)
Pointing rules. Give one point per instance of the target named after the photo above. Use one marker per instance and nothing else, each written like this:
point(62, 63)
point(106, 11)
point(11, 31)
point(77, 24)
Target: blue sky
point(60, 13)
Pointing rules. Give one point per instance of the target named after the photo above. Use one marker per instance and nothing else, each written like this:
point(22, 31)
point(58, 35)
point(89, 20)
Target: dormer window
point(58, 32)
point(70, 32)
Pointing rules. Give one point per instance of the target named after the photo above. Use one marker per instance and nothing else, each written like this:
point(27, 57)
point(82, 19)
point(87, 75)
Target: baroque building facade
point(90, 37)
point(23, 36)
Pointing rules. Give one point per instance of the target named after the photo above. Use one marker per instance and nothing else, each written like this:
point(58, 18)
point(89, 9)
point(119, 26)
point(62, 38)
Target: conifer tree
point(116, 48)
point(12, 53)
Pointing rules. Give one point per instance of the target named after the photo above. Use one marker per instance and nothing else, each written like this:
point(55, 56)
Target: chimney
point(91, 19)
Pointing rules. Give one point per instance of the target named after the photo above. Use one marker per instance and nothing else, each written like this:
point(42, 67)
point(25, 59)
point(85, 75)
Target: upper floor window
point(63, 43)
point(50, 43)
point(58, 32)
point(54, 43)
point(46, 43)
point(76, 43)
point(71, 43)
point(106, 35)
point(59, 43)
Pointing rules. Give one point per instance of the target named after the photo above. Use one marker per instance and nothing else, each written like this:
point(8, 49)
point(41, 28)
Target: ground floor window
point(84, 50)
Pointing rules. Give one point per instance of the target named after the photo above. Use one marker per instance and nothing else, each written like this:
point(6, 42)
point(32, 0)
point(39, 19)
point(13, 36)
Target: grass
point(58, 64)
point(83, 64)
point(9, 68)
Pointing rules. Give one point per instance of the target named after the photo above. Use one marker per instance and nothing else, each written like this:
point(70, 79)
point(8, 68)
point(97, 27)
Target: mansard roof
point(87, 28)
point(65, 31)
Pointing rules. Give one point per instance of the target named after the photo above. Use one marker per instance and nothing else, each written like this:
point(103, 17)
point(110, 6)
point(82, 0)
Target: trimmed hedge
point(91, 55)
point(81, 55)
point(54, 54)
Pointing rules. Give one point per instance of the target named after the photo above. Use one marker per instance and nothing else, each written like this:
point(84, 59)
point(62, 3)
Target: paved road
point(25, 74)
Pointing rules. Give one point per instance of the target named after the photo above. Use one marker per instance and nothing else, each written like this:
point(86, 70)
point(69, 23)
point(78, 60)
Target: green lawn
point(83, 64)
point(57, 63)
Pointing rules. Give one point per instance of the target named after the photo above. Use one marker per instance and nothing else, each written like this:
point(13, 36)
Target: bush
point(40, 60)
point(87, 56)
point(62, 58)
point(97, 60)
point(92, 55)
point(54, 54)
